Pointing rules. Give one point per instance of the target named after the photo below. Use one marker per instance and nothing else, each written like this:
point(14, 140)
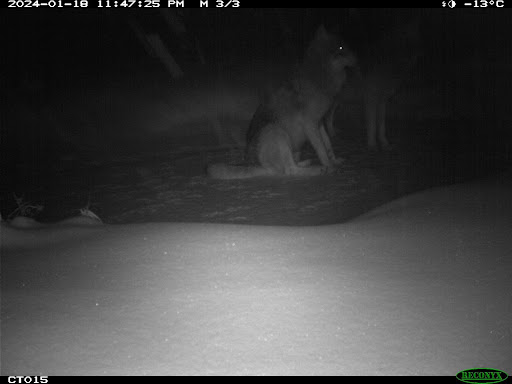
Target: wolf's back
point(225, 171)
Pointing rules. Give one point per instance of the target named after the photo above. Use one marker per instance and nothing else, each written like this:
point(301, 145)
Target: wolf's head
point(328, 47)
point(326, 59)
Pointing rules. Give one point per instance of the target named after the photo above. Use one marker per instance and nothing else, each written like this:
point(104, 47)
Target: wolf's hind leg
point(299, 162)
point(304, 163)
point(314, 170)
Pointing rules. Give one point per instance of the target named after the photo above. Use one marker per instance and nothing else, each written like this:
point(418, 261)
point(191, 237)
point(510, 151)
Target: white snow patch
point(419, 286)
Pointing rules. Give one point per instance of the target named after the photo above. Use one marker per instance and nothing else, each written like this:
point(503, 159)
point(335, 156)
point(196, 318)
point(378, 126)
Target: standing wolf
point(293, 114)
point(383, 66)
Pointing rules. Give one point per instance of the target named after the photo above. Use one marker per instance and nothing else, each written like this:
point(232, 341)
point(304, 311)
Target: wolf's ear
point(321, 33)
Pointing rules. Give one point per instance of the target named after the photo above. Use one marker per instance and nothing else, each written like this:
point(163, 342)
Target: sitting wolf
point(293, 114)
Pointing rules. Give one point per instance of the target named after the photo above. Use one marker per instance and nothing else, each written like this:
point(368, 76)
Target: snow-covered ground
point(419, 286)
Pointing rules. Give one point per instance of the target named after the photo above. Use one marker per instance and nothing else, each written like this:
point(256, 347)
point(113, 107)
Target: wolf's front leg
point(328, 145)
point(381, 126)
point(314, 135)
point(370, 119)
point(328, 119)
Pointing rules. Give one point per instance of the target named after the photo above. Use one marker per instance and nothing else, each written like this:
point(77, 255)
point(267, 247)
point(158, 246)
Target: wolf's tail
point(225, 171)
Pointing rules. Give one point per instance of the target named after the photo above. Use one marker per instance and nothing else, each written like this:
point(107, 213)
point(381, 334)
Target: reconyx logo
point(481, 375)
